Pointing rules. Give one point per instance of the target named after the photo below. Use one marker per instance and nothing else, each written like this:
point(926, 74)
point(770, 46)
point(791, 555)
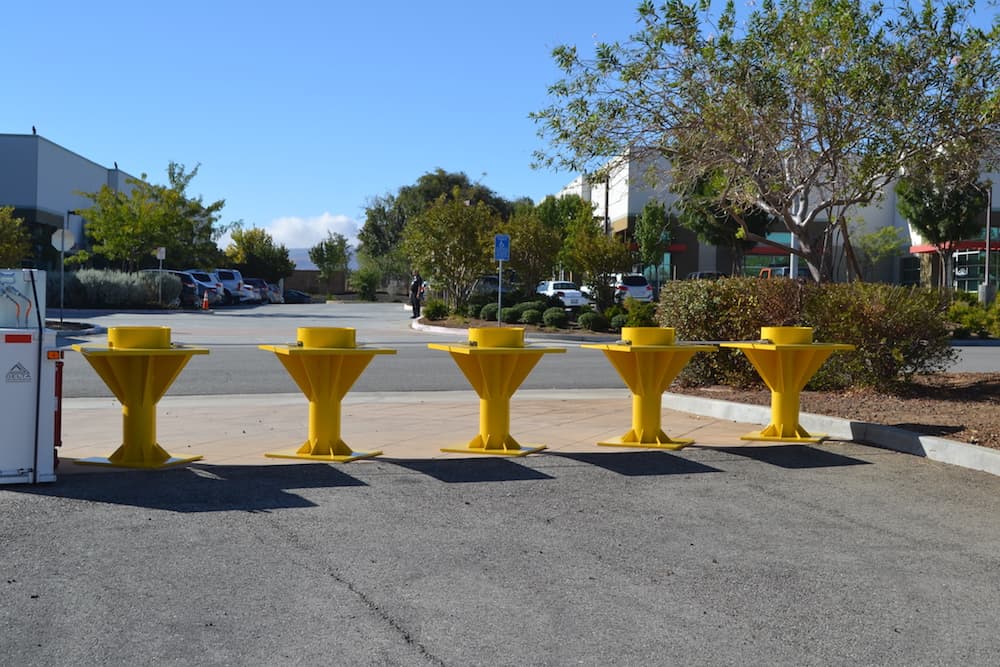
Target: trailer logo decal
point(18, 373)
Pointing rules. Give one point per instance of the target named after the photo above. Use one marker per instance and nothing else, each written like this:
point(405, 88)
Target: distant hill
point(301, 258)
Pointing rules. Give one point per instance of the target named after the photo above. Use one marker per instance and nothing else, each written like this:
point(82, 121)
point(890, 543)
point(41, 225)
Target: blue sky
point(298, 111)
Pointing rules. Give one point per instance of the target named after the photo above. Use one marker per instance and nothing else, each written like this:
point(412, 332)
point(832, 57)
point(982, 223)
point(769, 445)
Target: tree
point(700, 212)
point(596, 256)
point(255, 254)
point(387, 216)
point(331, 254)
point(805, 109)
point(128, 226)
point(15, 242)
point(653, 232)
point(944, 211)
point(559, 214)
point(451, 243)
point(534, 246)
point(877, 246)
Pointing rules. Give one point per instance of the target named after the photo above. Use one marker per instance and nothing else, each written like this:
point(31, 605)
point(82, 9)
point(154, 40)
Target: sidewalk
point(238, 430)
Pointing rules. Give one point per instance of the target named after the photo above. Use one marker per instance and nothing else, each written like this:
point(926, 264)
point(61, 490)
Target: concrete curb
point(887, 437)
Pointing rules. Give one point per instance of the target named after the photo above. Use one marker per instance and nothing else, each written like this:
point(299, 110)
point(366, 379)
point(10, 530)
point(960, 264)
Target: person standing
point(416, 287)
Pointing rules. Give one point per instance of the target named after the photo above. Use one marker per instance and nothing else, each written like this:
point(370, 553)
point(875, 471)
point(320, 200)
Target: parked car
point(632, 285)
point(232, 284)
point(488, 285)
point(260, 286)
point(781, 272)
point(705, 275)
point(189, 296)
point(295, 296)
point(565, 291)
point(206, 282)
point(274, 293)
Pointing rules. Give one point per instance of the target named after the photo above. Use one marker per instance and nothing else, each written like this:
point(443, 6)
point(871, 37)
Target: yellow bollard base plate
point(669, 444)
point(513, 451)
point(172, 462)
point(328, 458)
point(760, 436)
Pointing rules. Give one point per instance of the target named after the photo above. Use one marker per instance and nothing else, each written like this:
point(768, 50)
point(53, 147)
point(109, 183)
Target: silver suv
point(232, 283)
point(632, 285)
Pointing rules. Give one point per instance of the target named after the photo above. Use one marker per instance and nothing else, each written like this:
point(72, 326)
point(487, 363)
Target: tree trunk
point(852, 261)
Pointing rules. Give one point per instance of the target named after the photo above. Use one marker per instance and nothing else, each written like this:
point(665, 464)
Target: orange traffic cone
point(204, 300)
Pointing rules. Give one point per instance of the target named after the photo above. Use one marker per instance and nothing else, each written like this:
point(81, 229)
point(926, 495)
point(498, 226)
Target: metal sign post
point(62, 240)
point(161, 253)
point(501, 253)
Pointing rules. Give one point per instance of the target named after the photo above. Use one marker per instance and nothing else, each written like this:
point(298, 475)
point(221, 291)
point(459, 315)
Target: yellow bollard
point(786, 358)
point(138, 364)
point(648, 359)
point(325, 364)
point(495, 362)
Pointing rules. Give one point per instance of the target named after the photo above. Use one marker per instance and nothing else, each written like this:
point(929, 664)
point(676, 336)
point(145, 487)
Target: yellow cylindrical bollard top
point(326, 337)
point(787, 335)
point(499, 337)
point(648, 335)
point(130, 338)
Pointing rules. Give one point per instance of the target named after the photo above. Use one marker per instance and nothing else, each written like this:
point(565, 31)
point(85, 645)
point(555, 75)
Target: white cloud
point(294, 232)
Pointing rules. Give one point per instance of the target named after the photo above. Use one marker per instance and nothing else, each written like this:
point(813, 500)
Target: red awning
point(961, 245)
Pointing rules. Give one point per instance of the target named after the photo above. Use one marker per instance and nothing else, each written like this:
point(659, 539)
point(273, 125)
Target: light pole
point(989, 216)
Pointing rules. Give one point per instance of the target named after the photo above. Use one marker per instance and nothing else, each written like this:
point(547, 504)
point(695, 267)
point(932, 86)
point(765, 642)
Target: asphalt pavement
point(724, 552)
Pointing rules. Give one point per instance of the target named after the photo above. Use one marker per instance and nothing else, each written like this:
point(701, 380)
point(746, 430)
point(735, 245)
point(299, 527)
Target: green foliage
point(534, 246)
point(254, 253)
point(128, 226)
point(15, 242)
point(829, 97)
point(452, 243)
point(510, 315)
point(555, 318)
point(388, 216)
point(489, 312)
point(435, 309)
point(531, 305)
point(592, 321)
point(969, 319)
point(366, 281)
point(330, 255)
point(944, 207)
point(595, 255)
point(653, 231)
point(531, 316)
point(877, 246)
point(91, 288)
point(898, 331)
point(619, 321)
point(640, 313)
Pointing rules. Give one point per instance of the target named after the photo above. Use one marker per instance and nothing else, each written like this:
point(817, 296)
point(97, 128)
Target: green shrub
point(531, 316)
point(510, 315)
point(968, 319)
point(530, 305)
point(555, 318)
point(472, 310)
point(611, 311)
point(898, 331)
point(366, 280)
point(435, 309)
point(592, 321)
point(640, 314)
point(489, 312)
point(93, 288)
point(619, 321)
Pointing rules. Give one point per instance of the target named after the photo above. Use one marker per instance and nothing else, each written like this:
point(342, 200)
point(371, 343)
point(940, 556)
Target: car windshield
point(203, 277)
point(634, 281)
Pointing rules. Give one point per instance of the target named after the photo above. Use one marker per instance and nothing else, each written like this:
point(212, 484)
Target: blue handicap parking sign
point(501, 247)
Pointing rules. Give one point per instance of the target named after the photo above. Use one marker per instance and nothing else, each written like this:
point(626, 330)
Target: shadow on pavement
point(792, 456)
point(464, 471)
point(198, 488)
point(638, 464)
